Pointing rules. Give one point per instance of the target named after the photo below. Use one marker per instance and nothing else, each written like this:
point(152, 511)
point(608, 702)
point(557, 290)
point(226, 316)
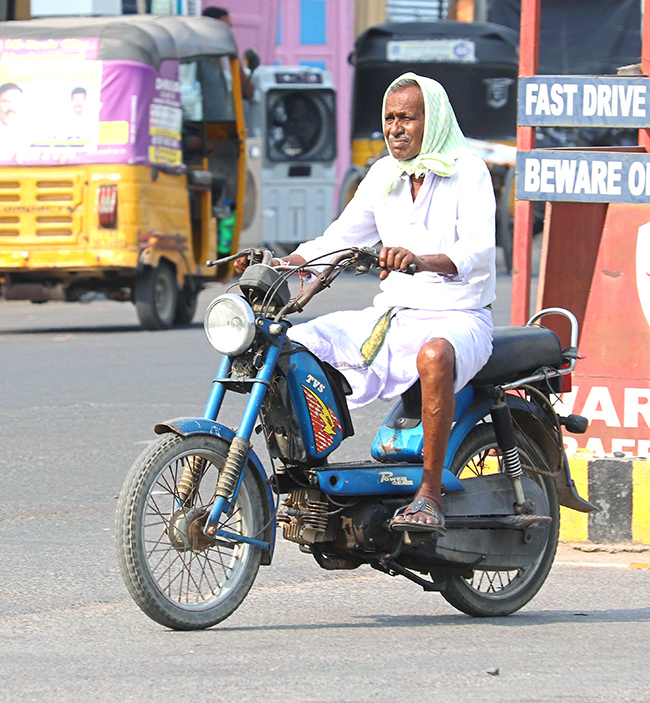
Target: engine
point(308, 518)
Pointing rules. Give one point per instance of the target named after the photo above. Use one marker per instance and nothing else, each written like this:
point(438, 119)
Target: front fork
point(233, 471)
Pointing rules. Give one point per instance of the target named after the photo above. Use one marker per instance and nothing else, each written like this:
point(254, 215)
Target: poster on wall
point(60, 106)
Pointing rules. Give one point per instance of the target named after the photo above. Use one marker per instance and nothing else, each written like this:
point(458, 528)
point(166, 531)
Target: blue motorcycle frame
point(197, 513)
point(405, 452)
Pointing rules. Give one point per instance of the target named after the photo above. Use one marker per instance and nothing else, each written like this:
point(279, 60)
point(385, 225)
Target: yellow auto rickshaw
point(122, 160)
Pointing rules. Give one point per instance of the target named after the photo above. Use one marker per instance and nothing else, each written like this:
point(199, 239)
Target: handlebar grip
point(409, 271)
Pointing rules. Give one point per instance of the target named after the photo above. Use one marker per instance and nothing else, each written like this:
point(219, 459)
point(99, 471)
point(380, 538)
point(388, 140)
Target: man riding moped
point(431, 204)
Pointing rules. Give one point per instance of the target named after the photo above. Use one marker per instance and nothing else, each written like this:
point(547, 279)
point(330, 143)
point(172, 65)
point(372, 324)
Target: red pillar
point(523, 230)
point(644, 134)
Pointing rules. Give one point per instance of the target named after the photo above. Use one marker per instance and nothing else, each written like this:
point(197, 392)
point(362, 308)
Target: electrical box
point(293, 116)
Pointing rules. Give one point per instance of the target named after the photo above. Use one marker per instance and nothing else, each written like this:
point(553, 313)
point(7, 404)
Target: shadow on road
point(521, 619)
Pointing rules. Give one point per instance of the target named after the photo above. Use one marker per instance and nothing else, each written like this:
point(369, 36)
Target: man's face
point(78, 101)
point(9, 103)
point(404, 122)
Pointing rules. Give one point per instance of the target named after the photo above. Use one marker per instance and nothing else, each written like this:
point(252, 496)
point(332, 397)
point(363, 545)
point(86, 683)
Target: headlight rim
point(247, 313)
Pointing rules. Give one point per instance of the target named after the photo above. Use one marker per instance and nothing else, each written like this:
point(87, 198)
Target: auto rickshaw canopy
point(118, 89)
point(476, 63)
point(148, 39)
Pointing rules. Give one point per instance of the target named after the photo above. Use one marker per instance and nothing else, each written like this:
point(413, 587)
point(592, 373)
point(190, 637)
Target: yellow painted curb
point(641, 502)
point(621, 488)
point(574, 526)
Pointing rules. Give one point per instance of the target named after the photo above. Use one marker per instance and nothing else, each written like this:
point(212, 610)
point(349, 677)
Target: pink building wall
point(259, 24)
point(254, 24)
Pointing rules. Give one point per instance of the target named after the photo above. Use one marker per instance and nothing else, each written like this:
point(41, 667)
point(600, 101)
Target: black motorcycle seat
point(516, 352)
point(519, 351)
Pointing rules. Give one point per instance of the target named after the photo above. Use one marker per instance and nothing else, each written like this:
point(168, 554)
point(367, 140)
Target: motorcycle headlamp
point(229, 324)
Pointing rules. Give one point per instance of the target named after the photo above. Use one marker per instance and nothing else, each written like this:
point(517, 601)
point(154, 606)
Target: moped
point(198, 510)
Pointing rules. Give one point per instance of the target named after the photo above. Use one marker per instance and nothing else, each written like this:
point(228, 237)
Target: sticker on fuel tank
point(324, 422)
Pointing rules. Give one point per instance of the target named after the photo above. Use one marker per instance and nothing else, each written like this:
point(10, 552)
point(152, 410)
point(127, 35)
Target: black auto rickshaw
point(477, 63)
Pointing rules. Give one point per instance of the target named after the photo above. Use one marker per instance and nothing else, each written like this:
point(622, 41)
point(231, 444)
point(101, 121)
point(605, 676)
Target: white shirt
point(451, 215)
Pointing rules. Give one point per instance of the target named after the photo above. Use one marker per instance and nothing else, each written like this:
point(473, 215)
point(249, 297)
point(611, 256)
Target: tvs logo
point(324, 422)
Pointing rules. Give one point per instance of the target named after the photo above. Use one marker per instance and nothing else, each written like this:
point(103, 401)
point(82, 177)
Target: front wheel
point(497, 593)
point(179, 577)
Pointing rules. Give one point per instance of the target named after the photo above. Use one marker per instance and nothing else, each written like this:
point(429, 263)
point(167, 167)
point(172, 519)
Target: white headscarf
point(442, 142)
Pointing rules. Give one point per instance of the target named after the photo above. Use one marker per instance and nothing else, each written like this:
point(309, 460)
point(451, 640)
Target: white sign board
point(428, 50)
point(584, 101)
point(583, 176)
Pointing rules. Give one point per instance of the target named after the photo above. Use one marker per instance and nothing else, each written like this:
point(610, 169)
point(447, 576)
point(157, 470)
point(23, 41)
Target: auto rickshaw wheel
point(186, 304)
point(351, 180)
point(156, 296)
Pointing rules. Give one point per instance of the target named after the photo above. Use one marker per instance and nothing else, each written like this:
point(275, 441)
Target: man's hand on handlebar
point(398, 259)
point(241, 265)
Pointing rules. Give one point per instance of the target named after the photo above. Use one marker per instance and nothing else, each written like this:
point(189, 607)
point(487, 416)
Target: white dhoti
point(338, 338)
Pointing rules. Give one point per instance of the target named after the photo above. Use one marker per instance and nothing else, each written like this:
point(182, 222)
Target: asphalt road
point(80, 390)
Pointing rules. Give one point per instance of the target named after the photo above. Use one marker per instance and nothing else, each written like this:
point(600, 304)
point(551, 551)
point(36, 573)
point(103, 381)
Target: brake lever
point(255, 256)
point(228, 259)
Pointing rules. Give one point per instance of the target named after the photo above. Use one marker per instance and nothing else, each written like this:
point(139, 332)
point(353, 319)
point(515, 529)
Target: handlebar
point(264, 256)
point(360, 259)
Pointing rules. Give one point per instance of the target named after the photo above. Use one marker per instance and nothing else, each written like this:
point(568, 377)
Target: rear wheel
point(156, 296)
point(496, 593)
point(179, 577)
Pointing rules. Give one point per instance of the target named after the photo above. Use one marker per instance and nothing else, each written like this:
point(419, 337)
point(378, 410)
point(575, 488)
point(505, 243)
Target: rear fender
point(188, 426)
point(567, 492)
point(568, 495)
point(463, 426)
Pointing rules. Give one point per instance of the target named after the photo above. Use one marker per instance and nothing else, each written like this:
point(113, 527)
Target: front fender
point(188, 426)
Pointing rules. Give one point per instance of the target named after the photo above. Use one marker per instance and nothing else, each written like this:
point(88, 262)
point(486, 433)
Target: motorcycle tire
point(499, 593)
point(180, 578)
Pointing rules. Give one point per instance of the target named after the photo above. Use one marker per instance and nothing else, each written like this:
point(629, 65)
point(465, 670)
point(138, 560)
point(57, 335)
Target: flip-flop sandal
point(419, 505)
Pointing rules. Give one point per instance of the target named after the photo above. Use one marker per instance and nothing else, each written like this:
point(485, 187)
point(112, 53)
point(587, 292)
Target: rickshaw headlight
point(229, 324)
